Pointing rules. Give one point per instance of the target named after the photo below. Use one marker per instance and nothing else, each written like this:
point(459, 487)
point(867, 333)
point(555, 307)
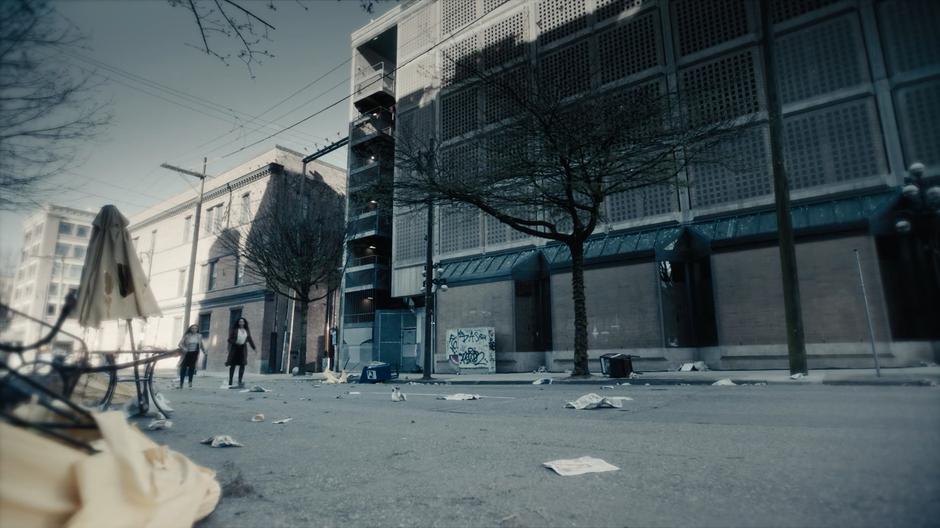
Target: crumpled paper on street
point(398, 395)
point(330, 378)
point(256, 388)
point(221, 441)
point(282, 421)
point(798, 375)
point(257, 418)
point(460, 396)
point(695, 365)
point(156, 425)
point(594, 401)
point(724, 382)
point(579, 466)
point(542, 381)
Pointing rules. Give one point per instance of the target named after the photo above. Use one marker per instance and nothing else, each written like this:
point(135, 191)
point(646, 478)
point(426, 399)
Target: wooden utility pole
point(192, 254)
point(429, 275)
point(796, 342)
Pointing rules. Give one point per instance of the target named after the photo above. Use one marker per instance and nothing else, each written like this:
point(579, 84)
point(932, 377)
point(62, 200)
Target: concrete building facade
point(224, 288)
point(678, 272)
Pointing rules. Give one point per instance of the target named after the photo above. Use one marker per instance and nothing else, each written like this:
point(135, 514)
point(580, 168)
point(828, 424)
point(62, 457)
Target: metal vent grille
point(460, 60)
point(918, 114)
point(610, 8)
point(459, 113)
point(460, 228)
point(700, 25)
point(456, 14)
point(910, 33)
point(496, 231)
point(498, 104)
point(409, 235)
point(416, 33)
point(560, 18)
point(743, 171)
point(505, 41)
point(643, 202)
point(781, 10)
point(721, 89)
point(489, 5)
point(629, 48)
point(567, 70)
point(821, 59)
point(834, 144)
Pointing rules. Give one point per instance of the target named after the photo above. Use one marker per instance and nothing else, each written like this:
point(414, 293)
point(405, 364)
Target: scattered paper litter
point(460, 396)
point(162, 401)
point(331, 378)
point(579, 466)
point(796, 376)
point(257, 418)
point(594, 401)
point(256, 388)
point(695, 365)
point(282, 421)
point(724, 382)
point(605, 387)
point(156, 425)
point(542, 381)
point(221, 441)
point(353, 392)
point(398, 395)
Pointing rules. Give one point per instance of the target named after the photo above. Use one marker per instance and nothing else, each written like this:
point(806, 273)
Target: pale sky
point(133, 44)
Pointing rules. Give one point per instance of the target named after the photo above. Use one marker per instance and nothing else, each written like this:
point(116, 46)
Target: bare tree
point(295, 243)
point(47, 108)
point(548, 155)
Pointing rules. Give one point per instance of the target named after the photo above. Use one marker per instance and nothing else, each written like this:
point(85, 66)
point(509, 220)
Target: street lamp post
point(921, 216)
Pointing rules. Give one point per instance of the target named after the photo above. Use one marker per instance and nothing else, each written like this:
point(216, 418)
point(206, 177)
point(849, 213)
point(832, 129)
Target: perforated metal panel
point(409, 235)
point(821, 59)
point(415, 126)
point(414, 81)
point(498, 104)
point(723, 88)
point(642, 202)
point(567, 70)
point(909, 33)
point(461, 160)
point(460, 60)
point(560, 18)
point(496, 231)
point(456, 14)
point(459, 113)
point(701, 24)
point(610, 8)
point(629, 47)
point(489, 5)
point(834, 144)
point(918, 111)
point(460, 228)
point(743, 171)
point(416, 33)
point(505, 41)
point(781, 10)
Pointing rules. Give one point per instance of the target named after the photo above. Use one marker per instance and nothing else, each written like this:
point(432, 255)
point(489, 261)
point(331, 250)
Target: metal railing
point(378, 77)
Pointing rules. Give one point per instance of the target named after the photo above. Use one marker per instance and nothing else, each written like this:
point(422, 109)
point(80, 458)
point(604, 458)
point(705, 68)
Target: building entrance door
point(395, 334)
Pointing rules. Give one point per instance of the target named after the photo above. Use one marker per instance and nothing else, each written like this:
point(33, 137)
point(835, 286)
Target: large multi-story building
point(55, 239)
point(676, 273)
point(223, 289)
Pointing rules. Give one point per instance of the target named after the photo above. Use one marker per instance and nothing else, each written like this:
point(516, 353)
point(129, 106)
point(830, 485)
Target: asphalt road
point(688, 456)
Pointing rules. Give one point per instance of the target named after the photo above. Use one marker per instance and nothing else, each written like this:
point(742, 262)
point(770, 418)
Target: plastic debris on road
point(156, 425)
point(353, 392)
point(724, 382)
point(605, 387)
point(796, 376)
point(693, 366)
point(329, 378)
point(257, 418)
point(542, 381)
point(460, 396)
point(579, 466)
point(594, 401)
point(282, 421)
point(221, 441)
point(398, 395)
point(256, 388)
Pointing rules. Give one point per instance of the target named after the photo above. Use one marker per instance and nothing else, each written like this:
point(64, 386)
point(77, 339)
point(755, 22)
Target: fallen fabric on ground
point(579, 466)
point(156, 425)
point(724, 382)
point(221, 441)
point(459, 396)
point(256, 388)
point(594, 401)
point(257, 418)
point(131, 481)
point(330, 378)
point(282, 421)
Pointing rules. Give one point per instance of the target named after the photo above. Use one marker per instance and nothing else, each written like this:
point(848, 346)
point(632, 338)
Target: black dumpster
point(616, 365)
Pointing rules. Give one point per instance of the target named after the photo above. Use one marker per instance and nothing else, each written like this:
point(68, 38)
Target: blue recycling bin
point(377, 373)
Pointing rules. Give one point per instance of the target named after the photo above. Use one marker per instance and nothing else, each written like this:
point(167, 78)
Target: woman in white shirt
point(238, 340)
point(191, 345)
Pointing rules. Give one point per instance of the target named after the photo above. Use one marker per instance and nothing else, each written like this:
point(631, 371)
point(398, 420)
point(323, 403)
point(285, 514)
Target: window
point(246, 209)
point(187, 228)
point(180, 282)
point(204, 320)
point(82, 231)
point(61, 250)
point(78, 251)
point(239, 270)
point(218, 218)
point(213, 269)
point(53, 290)
point(56, 267)
point(50, 309)
point(65, 228)
point(207, 226)
point(75, 272)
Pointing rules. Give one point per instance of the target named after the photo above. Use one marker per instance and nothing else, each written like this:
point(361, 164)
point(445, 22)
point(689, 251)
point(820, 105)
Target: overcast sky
point(132, 45)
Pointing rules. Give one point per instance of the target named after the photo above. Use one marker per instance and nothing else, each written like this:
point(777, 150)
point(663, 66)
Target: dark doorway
point(911, 289)
point(532, 315)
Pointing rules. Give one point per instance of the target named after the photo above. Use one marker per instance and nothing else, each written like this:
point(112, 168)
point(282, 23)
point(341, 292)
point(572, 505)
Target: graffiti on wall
point(472, 348)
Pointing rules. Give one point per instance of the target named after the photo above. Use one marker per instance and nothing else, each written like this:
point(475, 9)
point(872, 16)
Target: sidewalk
point(926, 376)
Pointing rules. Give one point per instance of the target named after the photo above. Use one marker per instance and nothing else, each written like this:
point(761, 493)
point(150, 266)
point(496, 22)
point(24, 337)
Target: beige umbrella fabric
point(113, 285)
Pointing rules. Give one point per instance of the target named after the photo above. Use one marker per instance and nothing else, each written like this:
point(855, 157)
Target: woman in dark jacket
point(238, 340)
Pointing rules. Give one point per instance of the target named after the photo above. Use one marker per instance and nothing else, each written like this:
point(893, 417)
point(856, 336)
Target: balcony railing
point(368, 174)
point(380, 225)
point(372, 124)
point(379, 260)
point(363, 317)
point(375, 78)
point(371, 278)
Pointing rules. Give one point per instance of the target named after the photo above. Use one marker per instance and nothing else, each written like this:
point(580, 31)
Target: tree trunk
point(580, 310)
point(302, 342)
